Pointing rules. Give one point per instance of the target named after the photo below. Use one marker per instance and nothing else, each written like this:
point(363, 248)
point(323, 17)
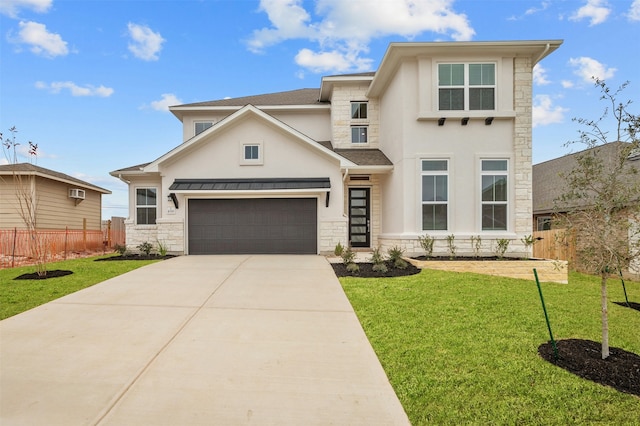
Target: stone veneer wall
point(171, 234)
point(523, 104)
point(341, 115)
point(332, 232)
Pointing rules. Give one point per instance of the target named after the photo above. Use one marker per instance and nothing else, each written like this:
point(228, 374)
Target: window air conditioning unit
point(78, 194)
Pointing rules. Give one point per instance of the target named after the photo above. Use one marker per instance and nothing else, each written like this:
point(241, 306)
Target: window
point(494, 195)
point(435, 195)
point(466, 87)
point(543, 223)
point(146, 204)
point(202, 126)
point(359, 110)
point(251, 152)
point(359, 134)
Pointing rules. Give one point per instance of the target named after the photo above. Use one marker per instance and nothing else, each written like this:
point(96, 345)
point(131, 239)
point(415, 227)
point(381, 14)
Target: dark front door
point(359, 222)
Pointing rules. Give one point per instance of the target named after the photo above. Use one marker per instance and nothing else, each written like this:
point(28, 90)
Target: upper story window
point(466, 87)
point(251, 154)
point(359, 134)
point(435, 195)
point(359, 110)
point(146, 206)
point(494, 195)
point(201, 126)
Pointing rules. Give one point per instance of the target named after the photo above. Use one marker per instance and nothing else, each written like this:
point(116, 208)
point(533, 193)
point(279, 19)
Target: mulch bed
point(136, 257)
point(621, 370)
point(50, 274)
point(366, 271)
point(632, 305)
point(467, 258)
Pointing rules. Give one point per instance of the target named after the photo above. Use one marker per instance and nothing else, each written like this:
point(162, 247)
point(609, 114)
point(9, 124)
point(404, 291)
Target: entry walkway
point(197, 340)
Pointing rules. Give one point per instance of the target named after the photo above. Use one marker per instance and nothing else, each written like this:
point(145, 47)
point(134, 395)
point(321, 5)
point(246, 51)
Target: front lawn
point(463, 348)
point(20, 295)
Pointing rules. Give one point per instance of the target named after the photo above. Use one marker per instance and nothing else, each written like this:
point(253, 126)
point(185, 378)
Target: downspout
point(346, 173)
point(546, 49)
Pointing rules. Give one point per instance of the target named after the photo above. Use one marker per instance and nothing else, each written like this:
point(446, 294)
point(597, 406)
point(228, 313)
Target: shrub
point(426, 242)
point(338, 250)
point(395, 253)
point(348, 256)
point(380, 268)
point(476, 245)
point(452, 247)
point(378, 261)
point(528, 242)
point(400, 264)
point(121, 249)
point(145, 248)
point(502, 244)
point(353, 268)
point(162, 248)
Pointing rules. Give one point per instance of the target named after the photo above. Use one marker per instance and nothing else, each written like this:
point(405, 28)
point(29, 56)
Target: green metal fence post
point(546, 316)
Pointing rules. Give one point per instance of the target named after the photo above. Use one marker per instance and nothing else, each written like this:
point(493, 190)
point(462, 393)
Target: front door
point(359, 223)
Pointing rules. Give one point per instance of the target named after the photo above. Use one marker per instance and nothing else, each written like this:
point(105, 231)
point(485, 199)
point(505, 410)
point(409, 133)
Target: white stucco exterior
point(405, 127)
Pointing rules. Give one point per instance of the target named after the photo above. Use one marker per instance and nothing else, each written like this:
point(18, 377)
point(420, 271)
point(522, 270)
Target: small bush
point(145, 248)
point(502, 244)
point(426, 242)
point(452, 247)
point(353, 268)
point(528, 242)
point(121, 249)
point(162, 248)
point(400, 264)
point(338, 250)
point(348, 256)
point(380, 268)
point(476, 245)
point(395, 253)
point(376, 257)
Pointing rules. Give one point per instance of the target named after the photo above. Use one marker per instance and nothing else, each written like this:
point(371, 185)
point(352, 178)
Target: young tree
point(603, 194)
point(26, 199)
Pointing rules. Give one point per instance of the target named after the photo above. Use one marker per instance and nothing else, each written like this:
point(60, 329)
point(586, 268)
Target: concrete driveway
point(210, 340)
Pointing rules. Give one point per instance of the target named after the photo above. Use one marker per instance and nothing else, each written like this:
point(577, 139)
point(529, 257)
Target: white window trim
point(196, 122)
point(136, 206)
point(446, 173)
point(252, 162)
point(507, 203)
point(466, 87)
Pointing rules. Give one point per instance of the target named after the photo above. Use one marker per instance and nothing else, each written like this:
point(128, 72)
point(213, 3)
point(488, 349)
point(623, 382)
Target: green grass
point(462, 348)
point(17, 296)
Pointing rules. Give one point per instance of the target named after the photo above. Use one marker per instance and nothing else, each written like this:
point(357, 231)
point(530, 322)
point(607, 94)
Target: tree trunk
point(605, 318)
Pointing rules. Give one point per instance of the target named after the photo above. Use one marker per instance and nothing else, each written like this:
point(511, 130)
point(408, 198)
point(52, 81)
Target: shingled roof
point(31, 169)
point(548, 185)
point(292, 97)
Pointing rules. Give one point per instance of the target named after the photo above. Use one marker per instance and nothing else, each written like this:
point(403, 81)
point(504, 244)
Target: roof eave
point(326, 87)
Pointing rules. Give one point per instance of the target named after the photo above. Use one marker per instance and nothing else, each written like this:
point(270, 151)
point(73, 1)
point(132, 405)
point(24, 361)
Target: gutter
point(544, 52)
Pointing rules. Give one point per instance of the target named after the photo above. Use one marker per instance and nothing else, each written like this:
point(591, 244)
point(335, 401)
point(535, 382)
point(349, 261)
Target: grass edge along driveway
point(462, 348)
point(17, 296)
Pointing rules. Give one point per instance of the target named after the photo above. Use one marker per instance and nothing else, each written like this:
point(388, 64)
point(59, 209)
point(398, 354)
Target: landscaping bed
point(136, 256)
point(366, 271)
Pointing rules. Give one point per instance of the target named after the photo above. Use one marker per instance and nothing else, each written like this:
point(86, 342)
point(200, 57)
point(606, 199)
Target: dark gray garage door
point(253, 226)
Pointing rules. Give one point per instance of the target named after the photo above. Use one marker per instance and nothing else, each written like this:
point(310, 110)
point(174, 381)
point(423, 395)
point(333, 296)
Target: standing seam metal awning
point(259, 184)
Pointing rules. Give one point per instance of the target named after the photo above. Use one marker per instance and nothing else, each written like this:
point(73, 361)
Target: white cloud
point(596, 11)
point(42, 41)
point(12, 7)
point(540, 75)
point(634, 11)
point(145, 44)
point(168, 99)
point(340, 32)
point(544, 112)
point(567, 84)
point(588, 69)
point(74, 89)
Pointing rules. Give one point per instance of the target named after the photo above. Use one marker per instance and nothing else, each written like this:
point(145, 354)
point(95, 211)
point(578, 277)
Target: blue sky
point(90, 81)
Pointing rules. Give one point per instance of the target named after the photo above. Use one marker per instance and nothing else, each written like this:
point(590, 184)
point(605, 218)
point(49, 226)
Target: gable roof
point(237, 116)
point(548, 185)
point(28, 169)
point(291, 97)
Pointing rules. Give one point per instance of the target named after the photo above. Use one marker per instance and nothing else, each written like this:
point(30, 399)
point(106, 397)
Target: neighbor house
point(437, 141)
point(59, 201)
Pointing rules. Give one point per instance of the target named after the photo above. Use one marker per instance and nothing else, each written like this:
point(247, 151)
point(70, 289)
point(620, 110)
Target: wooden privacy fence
point(554, 244)
point(16, 245)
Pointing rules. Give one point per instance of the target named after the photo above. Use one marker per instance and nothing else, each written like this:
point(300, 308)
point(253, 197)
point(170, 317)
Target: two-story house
point(437, 141)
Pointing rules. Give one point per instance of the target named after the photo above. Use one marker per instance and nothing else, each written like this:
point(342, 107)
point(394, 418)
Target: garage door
point(253, 226)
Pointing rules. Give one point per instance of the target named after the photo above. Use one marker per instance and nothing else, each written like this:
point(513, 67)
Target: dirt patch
point(50, 274)
point(621, 370)
point(366, 271)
